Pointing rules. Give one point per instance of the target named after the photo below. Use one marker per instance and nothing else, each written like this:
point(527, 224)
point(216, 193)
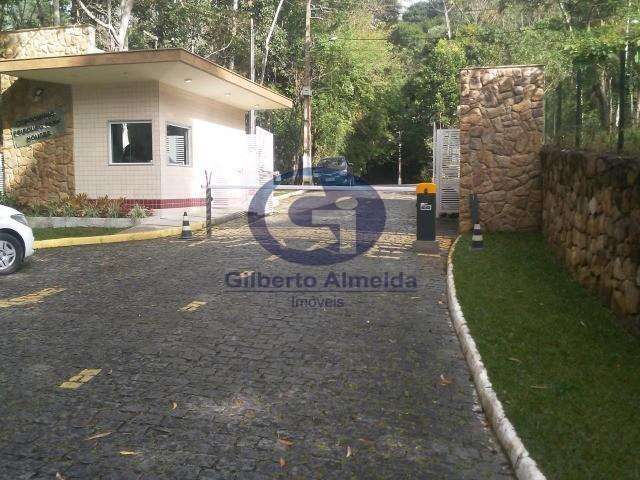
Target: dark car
point(333, 171)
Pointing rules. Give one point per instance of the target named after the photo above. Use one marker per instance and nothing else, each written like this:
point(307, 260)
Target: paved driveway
point(172, 374)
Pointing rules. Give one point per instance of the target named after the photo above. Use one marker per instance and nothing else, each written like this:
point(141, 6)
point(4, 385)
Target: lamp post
point(399, 157)
point(252, 67)
point(307, 154)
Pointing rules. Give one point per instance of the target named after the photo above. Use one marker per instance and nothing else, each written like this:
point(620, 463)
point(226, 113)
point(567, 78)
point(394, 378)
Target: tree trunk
point(446, 18)
point(42, 17)
point(109, 22)
point(578, 71)
point(622, 91)
point(558, 120)
point(234, 32)
point(268, 41)
point(75, 11)
point(55, 6)
point(602, 102)
point(126, 6)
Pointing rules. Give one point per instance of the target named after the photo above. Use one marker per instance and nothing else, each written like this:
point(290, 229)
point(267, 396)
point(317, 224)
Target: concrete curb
point(67, 222)
point(117, 238)
point(129, 237)
point(288, 195)
point(524, 466)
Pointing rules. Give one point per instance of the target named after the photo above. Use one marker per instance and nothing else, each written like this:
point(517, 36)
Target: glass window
point(131, 142)
point(333, 163)
point(177, 145)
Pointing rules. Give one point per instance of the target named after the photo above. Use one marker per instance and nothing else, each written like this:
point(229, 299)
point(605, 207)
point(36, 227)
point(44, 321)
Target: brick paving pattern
point(198, 382)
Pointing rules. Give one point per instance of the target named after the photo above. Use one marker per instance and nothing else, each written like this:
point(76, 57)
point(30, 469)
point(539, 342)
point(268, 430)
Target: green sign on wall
point(39, 127)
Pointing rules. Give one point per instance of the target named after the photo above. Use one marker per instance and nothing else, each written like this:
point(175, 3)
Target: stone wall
point(501, 133)
point(42, 170)
point(47, 42)
point(591, 218)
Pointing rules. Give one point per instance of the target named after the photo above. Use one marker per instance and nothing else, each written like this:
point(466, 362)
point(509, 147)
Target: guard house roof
point(175, 67)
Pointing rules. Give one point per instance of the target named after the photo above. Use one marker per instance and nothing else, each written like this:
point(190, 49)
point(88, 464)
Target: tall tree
point(120, 33)
point(55, 7)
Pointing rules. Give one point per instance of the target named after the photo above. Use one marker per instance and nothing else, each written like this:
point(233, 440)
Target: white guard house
point(139, 125)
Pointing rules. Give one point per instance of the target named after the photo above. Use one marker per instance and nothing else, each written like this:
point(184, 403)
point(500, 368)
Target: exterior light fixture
point(37, 94)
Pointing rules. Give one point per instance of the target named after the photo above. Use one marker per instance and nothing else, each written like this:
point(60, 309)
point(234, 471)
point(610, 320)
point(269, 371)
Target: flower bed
point(80, 206)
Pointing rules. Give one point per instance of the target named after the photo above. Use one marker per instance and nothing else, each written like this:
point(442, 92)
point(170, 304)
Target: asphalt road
point(172, 373)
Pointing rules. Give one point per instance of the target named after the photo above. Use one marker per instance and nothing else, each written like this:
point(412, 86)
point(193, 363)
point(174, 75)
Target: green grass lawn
point(49, 233)
point(566, 373)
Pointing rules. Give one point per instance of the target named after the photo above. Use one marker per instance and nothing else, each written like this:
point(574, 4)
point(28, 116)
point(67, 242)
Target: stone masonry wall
point(43, 170)
point(47, 42)
point(591, 218)
point(501, 133)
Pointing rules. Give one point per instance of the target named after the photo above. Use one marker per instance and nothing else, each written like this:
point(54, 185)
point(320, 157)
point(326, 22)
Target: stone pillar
point(41, 170)
point(501, 134)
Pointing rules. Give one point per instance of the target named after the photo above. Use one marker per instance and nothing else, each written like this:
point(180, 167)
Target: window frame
point(189, 158)
point(110, 143)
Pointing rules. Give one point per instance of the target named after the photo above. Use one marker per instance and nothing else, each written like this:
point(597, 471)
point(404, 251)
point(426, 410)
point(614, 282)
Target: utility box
point(426, 212)
point(426, 206)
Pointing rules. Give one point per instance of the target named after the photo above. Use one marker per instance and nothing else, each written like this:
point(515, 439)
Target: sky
point(406, 3)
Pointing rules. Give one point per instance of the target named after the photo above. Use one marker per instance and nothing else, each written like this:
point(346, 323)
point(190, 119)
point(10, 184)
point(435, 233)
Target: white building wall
point(94, 106)
point(218, 143)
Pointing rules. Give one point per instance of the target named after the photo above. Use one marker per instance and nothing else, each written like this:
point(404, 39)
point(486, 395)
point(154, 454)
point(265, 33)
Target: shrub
point(91, 211)
point(113, 211)
point(51, 208)
point(138, 212)
point(8, 201)
point(80, 206)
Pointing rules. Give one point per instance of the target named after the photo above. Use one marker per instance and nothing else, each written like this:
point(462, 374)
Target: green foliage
point(356, 79)
point(421, 12)
point(8, 201)
point(376, 78)
point(20, 14)
point(80, 206)
point(138, 212)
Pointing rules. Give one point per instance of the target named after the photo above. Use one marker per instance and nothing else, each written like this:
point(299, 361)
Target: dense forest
point(382, 76)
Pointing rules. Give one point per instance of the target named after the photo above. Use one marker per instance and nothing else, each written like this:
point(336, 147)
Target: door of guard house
point(446, 170)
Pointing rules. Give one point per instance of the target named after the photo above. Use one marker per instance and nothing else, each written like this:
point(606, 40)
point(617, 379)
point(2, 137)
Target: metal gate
point(446, 170)
point(261, 156)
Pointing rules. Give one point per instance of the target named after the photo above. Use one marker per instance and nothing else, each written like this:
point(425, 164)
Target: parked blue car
point(333, 171)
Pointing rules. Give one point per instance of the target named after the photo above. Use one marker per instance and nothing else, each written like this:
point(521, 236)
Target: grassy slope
point(555, 356)
point(49, 233)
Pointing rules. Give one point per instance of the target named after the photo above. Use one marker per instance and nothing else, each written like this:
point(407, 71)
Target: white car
point(16, 240)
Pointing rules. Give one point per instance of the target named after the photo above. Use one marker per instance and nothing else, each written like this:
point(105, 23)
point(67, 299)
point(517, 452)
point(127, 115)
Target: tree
point(421, 12)
point(55, 7)
point(119, 35)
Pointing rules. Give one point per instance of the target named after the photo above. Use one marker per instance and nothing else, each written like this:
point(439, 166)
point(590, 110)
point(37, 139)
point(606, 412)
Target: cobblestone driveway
point(236, 385)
